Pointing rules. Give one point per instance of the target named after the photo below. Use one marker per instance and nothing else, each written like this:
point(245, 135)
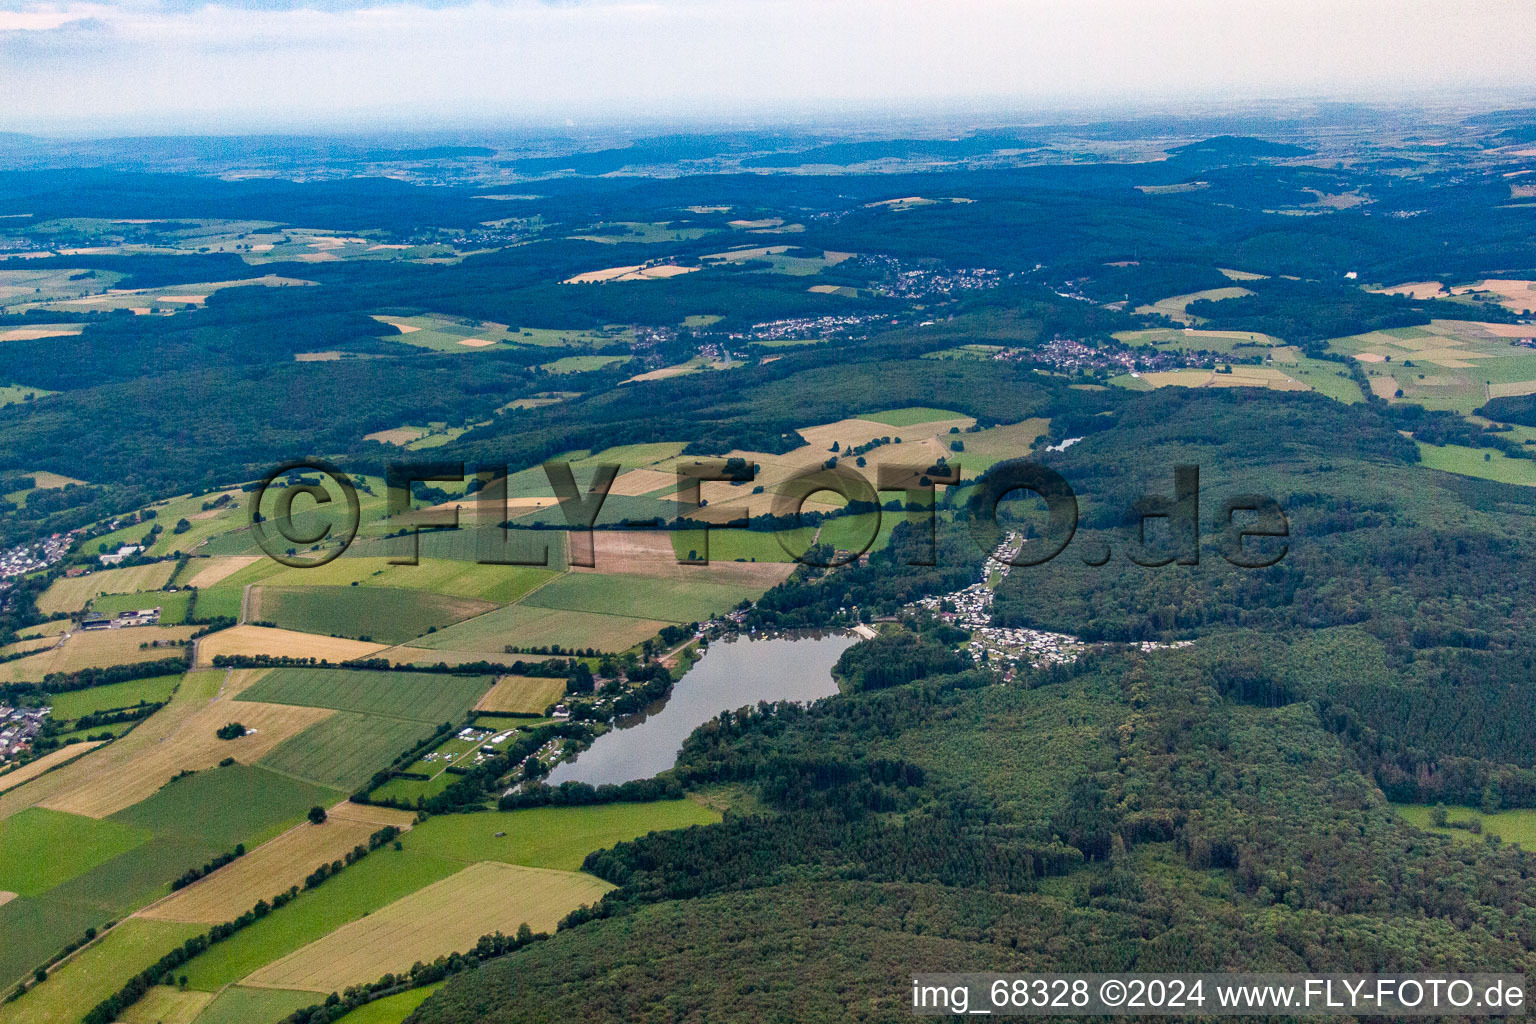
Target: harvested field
point(526, 695)
point(207, 572)
point(1512, 388)
point(856, 431)
point(98, 648)
point(72, 593)
point(1515, 296)
point(43, 331)
point(254, 640)
point(32, 769)
point(651, 554)
point(400, 436)
point(29, 646)
point(6, 897)
point(642, 481)
point(1240, 377)
point(1384, 387)
point(197, 689)
point(1413, 289)
point(377, 817)
point(442, 918)
point(120, 782)
point(270, 868)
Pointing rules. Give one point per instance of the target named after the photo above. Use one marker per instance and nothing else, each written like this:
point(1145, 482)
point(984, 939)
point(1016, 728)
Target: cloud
point(235, 62)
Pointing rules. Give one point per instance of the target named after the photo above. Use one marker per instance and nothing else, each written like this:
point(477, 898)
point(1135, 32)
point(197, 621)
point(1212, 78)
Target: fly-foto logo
point(1251, 530)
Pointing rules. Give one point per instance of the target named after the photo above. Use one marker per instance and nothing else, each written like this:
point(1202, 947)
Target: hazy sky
point(69, 64)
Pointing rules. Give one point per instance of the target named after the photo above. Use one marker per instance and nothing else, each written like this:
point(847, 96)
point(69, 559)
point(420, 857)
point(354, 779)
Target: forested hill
point(1219, 805)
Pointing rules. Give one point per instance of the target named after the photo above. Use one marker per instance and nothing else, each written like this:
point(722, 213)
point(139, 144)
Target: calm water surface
point(733, 673)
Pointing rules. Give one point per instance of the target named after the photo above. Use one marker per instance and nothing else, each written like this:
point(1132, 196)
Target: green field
point(580, 364)
point(115, 695)
point(551, 837)
point(418, 696)
point(367, 564)
point(40, 848)
point(523, 625)
point(912, 416)
point(1487, 463)
point(640, 596)
point(98, 972)
point(346, 749)
point(391, 1009)
point(383, 614)
point(1325, 378)
point(11, 394)
point(740, 545)
point(173, 607)
point(1515, 826)
point(219, 602)
point(240, 1005)
point(224, 806)
point(409, 791)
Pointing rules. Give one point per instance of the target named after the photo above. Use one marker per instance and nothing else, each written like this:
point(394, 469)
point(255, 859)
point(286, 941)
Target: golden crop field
point(254, 640)
point(208, 571)
point(196, 690)
point(98, 648)
point(120, 782)
point(32, 769)
point(71, 593)
point(29, 645)
point(1240, 377)
point(522, 694)
point(270, 868)
point(650, 553)
point(444, 917)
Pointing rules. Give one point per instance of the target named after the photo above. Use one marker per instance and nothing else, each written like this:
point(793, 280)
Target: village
point(18, 728)
point(1008, 647)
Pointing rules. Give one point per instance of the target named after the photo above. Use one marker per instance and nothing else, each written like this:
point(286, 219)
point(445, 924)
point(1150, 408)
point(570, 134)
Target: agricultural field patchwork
point(99, 648)
point(131, 774)
point(522, 626)
point(96, 973)
point(442, 918)
point(1448, 364)
point(71, 594)
point(272, 867)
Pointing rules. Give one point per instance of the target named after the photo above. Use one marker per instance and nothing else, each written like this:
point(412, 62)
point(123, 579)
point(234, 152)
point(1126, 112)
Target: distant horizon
point(933, 118)
point(242, 66)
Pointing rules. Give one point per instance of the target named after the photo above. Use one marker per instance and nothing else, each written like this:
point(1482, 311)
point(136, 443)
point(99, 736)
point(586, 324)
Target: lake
point(733, 673)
